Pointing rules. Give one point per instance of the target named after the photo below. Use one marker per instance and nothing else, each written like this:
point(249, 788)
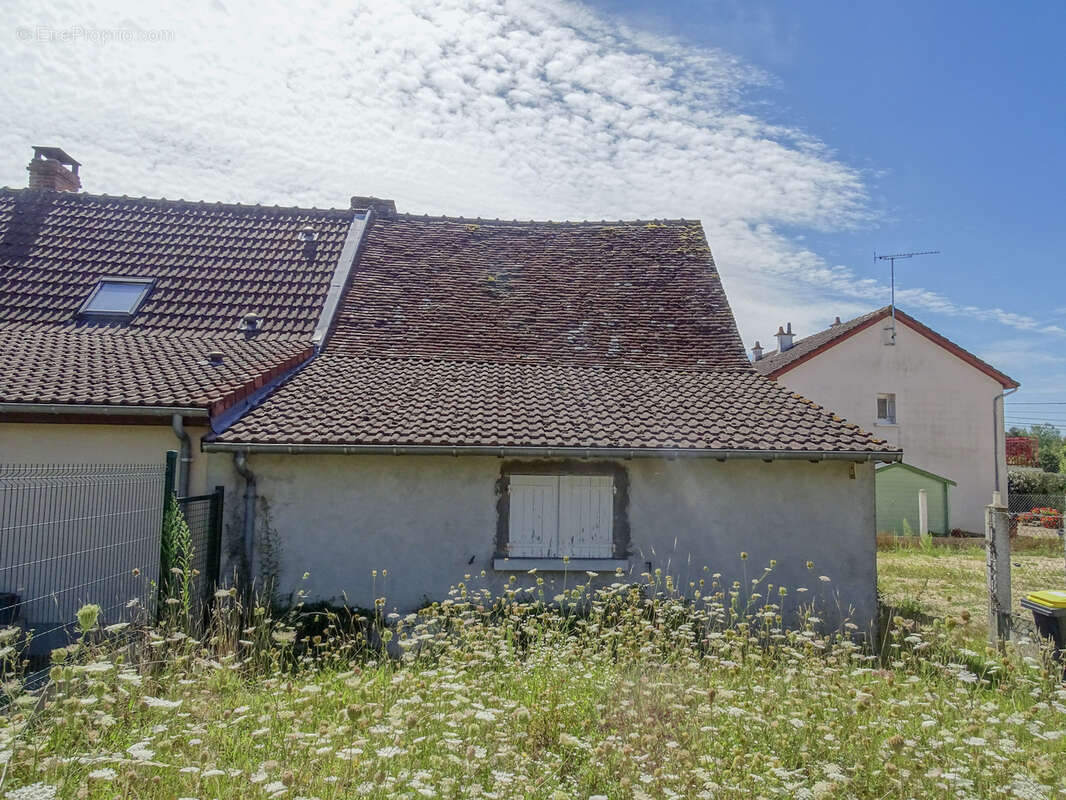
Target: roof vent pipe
point(250, 323)
point(784, 338)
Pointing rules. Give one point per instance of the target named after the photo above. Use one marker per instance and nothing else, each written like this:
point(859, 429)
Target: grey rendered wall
point(425, 522)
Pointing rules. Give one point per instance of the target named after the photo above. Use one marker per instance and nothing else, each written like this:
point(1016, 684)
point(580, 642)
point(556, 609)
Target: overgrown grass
point(630, 691)
point(950, 583)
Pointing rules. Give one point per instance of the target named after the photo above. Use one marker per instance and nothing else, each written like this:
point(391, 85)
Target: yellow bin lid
point(1049, 598)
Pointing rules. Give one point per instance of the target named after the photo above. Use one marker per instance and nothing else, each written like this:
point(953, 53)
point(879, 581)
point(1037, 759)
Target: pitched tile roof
point(775, 363)
point(379, 401)
point(212, 264)
point(614, 294)
point(774, 360)
point(79, 366)
point(464, 333)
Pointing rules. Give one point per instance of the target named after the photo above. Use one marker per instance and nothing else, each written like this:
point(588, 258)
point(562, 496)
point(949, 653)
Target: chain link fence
point(1035, 558)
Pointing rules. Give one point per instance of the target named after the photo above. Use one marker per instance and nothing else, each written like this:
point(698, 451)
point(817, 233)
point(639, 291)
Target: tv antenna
point(892, 260)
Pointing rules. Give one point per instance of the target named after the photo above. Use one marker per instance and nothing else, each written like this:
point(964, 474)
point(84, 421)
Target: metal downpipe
point(177, 423)
point(240, 463)
point(999, 427)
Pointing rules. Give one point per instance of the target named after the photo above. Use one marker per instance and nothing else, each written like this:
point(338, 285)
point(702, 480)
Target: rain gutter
point(549, 452)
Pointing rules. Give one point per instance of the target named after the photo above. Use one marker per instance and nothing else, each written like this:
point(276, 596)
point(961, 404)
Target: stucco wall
point(944, 409)
point(428, 521)
point(61, 443)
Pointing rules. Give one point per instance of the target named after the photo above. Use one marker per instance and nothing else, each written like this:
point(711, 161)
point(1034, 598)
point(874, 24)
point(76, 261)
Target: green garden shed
point(897, 499)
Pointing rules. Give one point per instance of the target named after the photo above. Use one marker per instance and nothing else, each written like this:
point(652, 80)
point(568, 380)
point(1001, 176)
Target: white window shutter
point(533, 530)
point(586, 516)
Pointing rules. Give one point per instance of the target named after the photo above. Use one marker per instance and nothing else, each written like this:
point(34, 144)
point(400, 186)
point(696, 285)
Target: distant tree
point(1049, 460)
point(1047, 436)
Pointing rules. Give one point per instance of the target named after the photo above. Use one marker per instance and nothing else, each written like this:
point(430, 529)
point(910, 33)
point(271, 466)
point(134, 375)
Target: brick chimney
point(53, 170)
point(382, 208)
point(756, 351)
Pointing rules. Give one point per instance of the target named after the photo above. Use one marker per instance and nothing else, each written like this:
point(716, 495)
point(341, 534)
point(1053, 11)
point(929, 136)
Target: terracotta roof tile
point(212, 264)
point(774, 360)
point(613, 294)
point(339, 399)
point(45, 365)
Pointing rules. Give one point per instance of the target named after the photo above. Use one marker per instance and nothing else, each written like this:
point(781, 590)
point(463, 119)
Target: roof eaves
point(102, 410)
point(1006, 381)
point(548, 452)
point(918, 471)
point(983, 366)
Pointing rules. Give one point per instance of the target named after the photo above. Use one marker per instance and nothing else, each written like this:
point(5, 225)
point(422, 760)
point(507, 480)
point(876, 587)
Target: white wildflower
point(35, 791)
point(141, 751)
point(159, 702)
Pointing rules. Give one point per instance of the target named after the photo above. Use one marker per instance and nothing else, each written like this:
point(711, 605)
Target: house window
point(116, 297)
point(556, 516)
point(886, 409)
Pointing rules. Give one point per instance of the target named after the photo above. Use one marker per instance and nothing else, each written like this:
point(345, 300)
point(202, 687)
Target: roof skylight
point(116, 297)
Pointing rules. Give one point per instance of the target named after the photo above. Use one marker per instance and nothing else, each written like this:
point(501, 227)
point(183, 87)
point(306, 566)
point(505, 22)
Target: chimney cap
point(382, 207)
point(56, 154)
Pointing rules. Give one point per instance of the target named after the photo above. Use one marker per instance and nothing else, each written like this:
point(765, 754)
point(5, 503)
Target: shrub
point(1027, 482)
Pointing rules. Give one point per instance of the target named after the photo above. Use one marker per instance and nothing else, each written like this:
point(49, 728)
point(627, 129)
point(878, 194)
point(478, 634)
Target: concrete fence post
point(923, 513)
point(997, 550)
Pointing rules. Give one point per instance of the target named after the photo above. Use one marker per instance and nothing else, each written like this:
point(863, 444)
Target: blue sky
point(956, 114)
point(804, 135)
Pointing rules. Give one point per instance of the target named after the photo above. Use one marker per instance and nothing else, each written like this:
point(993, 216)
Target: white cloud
point(502, 108)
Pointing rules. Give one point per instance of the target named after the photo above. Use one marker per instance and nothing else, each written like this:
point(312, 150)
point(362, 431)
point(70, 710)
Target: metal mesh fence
point(203, 515)
point(77, 534)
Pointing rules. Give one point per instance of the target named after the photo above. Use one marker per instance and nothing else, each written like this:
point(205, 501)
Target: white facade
point(408, 528)
point(948, 415)
point(63, 443)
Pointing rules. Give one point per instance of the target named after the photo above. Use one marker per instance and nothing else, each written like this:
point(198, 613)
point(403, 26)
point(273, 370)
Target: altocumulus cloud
point(511, 109)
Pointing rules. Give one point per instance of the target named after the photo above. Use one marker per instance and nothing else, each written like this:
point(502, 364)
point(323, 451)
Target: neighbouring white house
point(887, 372)
point(396, 402)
